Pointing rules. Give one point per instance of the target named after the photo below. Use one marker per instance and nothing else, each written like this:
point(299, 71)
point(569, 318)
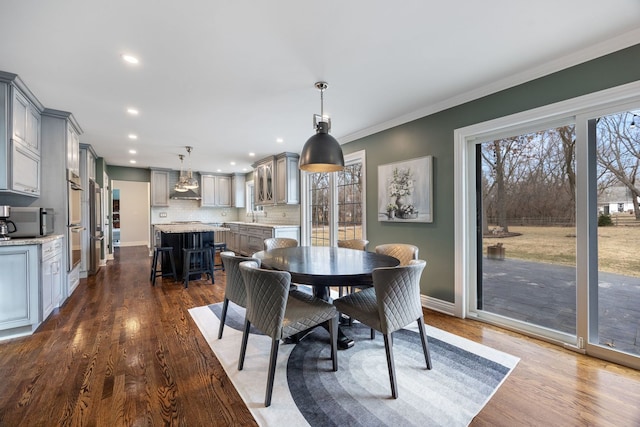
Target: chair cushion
point(361, 306)
point(305, 311)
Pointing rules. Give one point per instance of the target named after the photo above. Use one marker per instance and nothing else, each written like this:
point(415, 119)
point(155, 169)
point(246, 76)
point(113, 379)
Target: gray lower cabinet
point(248, 238)
point(51, 272)
point(19, 287)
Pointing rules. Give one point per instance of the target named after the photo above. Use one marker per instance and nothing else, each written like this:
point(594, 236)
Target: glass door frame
point(581, 109)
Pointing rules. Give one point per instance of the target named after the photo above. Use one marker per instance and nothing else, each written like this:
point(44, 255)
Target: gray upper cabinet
point(287, 179)
point(20, 124)
point(277, 180)
point(160, 187)
point(238, 181)
point(215, 190)
point(263, 181)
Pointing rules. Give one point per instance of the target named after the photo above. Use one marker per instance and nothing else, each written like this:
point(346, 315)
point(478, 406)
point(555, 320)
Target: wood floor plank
point(121, 352)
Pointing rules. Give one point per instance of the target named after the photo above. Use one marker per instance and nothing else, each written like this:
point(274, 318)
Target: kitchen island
point(185, 236)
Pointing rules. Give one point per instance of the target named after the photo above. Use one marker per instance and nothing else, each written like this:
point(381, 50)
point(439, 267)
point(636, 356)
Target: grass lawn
point(618, 246)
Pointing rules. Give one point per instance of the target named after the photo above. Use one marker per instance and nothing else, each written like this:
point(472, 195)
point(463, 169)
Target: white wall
point(135, 227)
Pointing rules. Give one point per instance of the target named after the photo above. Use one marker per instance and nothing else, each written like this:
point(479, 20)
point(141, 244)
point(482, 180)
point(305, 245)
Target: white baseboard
point(438, 305)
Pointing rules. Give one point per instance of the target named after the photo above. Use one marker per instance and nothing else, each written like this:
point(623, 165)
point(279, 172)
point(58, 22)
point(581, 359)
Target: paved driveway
point(545, 295)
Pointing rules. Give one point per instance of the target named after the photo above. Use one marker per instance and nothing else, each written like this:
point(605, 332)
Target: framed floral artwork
point(405, 191)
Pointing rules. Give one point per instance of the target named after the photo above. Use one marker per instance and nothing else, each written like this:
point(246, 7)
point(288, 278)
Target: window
point(335, 204)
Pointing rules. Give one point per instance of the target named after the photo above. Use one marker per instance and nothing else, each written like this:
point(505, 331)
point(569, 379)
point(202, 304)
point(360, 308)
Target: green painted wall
point(123, 173)
point(433, 135)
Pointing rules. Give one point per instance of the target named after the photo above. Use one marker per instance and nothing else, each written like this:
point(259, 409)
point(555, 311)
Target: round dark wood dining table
point(324, 266)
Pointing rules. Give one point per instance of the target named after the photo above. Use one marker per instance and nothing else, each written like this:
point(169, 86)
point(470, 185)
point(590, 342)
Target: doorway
point(131, 201)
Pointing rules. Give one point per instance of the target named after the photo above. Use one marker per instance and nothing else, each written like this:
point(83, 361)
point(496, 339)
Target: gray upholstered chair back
point(267, 293)
point(359, 244)
point(402, 251)
point(235, 290)
point(279, 242)
point(398, 294)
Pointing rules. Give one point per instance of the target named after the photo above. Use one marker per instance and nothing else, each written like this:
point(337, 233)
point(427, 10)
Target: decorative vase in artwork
point(401, 201)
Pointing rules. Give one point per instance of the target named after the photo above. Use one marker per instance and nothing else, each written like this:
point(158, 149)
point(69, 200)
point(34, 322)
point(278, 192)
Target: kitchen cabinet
point(263, 181)
point(160, 187)
point(248, 238)
point(215, 190)
point(20, 141)
point(51, 277)
point(238, 190)
point(26, 122)
point(73, 149)
point(25, 170)
point(19, 287)
point(287, 179)
point(277, 180)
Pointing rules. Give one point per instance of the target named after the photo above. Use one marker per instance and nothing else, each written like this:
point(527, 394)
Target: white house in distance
point(615, 200)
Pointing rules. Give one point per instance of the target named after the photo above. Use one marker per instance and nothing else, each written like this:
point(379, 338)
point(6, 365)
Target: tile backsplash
point(190, 210)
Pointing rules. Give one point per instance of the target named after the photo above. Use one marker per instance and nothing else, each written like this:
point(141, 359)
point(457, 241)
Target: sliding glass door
point(526, 230)
point(548, 223)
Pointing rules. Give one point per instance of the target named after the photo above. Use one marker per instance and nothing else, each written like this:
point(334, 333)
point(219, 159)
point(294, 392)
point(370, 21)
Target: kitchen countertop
point(188, 228)
point(257, 224)
point(18, 241)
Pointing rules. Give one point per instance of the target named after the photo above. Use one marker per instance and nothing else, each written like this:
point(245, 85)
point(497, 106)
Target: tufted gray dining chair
point(402, 251)
point(392, 304)
point(357, 244)
point(279, 314)
point(235, 290)
point(279, 242)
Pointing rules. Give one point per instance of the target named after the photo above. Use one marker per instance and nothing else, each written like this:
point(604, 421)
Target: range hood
point(185, 195)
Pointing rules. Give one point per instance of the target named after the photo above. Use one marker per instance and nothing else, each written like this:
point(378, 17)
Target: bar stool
point(197, 261)
point(159, 253)
point(218, 247)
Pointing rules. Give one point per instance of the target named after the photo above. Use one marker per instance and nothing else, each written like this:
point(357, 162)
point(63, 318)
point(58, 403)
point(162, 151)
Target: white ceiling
point(229, 77)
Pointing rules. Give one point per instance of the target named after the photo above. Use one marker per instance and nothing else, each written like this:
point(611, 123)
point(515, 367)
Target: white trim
point(600, 49)
point(438, 305)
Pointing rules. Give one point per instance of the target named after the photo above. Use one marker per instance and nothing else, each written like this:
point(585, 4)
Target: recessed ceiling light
point(132, 161)
point(132, 151)
point(130, 59)
point(133, 111)
point(252, 154)
point(219, 170)
point(279, 140)
point(244, 169)
point(232, 163)
point(133, 136)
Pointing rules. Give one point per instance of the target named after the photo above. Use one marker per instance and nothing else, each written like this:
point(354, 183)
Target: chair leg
point(153, 267)
point(225, 305)
point(373, 334)
point(243, 346)
point(423, 337)
point(185, 269)
point(388, 346)
point(333, 332)
point(173, 266)
point(275, 343)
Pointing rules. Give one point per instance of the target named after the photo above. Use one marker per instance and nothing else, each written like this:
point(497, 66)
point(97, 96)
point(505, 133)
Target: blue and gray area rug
point(306, 392)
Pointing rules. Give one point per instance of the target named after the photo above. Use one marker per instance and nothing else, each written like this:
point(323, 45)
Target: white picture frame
point(405, 191)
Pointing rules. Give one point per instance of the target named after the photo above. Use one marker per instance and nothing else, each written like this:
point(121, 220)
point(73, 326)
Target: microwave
point(32, 221)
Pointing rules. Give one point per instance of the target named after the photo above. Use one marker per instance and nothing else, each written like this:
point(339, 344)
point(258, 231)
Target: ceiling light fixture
point(132, 151)
point(132, 111)
point(133, 136)
point(190, 183)
point(179, 187)
point(130, 59)
point(321, 152)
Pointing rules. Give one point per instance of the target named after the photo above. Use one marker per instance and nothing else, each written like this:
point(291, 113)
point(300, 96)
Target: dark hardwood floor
point(123, 353)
